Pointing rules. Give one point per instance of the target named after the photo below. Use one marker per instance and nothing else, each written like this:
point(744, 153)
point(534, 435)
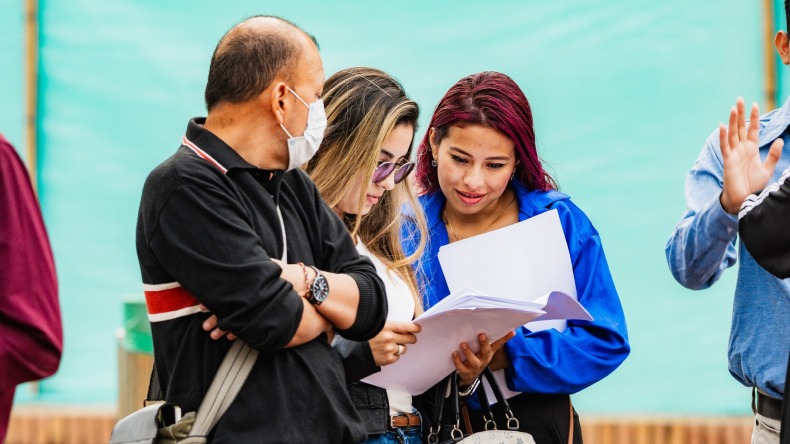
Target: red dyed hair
point(494, 100)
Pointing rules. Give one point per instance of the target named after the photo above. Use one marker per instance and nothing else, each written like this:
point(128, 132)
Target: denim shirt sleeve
point(703, 243)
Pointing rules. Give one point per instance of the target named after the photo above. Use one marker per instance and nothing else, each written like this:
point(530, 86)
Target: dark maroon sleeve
point(31, 334)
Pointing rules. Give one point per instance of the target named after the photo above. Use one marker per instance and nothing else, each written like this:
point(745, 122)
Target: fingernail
point(483, 337)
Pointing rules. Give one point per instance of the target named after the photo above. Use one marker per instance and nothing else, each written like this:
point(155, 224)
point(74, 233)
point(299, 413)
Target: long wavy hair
point(363, 105)
point(494, 100)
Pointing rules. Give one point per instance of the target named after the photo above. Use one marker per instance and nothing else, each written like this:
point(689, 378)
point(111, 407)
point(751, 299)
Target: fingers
point(471, 368)
point(723, 136)
point(741, 118)
point(773, 155)
point(496, 345)
point(400, 338)
point(403, 326)
point(471, 359)
point(753, 134)
point(210, 323)
point(389, 335)
point(733, 129)
point(399, 332)
point(217, 333)
point(389, 353)
point(388, 346)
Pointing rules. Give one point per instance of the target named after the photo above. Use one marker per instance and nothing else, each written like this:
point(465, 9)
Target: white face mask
point(303, 148)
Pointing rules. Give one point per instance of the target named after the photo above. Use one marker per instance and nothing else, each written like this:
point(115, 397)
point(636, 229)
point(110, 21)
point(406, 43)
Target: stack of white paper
point(461, 317)
point(526, 266)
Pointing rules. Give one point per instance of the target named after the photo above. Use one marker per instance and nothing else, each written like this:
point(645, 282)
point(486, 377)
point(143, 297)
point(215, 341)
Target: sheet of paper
point(461, 317)
point(523, 261)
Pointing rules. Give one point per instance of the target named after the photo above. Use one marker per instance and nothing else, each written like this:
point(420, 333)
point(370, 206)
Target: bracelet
point(306, 281)
point(470, 389)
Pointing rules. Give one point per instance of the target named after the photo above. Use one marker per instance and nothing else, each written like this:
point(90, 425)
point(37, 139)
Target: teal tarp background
point(624, 94)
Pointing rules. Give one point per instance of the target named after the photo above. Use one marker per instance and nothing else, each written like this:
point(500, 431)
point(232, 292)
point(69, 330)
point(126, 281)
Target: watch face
point(320, 289)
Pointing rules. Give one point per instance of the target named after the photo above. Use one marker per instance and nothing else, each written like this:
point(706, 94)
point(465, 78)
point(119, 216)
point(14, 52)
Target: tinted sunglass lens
point(404, 171)
point(382, 171)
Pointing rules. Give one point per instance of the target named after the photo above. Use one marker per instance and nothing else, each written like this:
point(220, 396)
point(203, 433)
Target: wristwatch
point(320, 288)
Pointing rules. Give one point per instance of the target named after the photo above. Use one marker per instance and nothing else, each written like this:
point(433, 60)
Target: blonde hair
point(363, 105)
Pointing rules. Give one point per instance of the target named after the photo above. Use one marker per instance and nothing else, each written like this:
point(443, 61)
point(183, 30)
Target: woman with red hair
point(479, 167)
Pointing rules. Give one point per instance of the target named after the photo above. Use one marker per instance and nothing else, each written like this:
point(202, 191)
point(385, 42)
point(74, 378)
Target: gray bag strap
point(227, 383)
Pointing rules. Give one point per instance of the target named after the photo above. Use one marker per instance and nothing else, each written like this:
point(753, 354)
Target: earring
point(512, 176)
point(433, 163)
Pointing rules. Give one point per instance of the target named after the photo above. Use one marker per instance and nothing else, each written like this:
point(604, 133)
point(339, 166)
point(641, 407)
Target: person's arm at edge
point(702, 244)
point(38, 336)
point(763, 227)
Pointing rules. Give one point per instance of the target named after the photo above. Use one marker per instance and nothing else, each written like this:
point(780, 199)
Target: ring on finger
point(401, 350)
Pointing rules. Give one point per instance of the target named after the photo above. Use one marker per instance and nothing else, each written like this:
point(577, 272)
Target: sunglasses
point(384, 170)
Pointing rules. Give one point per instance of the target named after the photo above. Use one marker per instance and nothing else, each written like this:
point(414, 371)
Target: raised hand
point(744, 172)
point(392, 340)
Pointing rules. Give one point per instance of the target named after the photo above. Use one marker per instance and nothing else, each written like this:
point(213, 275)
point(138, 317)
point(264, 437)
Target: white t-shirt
point(400, 304)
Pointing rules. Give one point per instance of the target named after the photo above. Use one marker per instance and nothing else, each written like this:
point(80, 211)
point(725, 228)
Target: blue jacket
point(547, 361)
point(703, 246)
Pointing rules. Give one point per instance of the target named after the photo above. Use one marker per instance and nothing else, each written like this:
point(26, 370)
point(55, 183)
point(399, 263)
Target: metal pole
point(769, 57)
point(31, 93)
point(31, 87)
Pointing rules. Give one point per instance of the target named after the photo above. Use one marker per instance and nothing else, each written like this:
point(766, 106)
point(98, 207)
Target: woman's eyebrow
point(459, 150)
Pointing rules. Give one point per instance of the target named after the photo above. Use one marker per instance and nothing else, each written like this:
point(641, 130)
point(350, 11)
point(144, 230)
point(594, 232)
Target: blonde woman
point(361, 171)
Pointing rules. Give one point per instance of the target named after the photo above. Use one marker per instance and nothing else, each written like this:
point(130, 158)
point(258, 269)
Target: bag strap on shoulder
point(227, 383)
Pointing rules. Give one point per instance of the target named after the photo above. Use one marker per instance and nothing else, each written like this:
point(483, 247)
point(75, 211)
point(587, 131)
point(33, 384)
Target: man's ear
point(782, 43)
point(277, 92)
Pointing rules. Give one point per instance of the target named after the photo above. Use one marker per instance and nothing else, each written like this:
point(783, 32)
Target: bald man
point(231, 223)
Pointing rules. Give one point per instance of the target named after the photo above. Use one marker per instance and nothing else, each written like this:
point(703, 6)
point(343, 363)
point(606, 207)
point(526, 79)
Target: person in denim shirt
point(703, 245)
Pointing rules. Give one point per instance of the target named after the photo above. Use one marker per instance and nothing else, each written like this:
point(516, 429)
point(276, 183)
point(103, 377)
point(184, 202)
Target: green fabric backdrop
point(624, 94)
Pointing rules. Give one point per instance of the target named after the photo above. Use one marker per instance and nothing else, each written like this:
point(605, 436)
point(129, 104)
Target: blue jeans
point(400, 435)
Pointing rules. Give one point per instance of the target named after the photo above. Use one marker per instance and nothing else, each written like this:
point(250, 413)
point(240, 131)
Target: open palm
point(744, 171)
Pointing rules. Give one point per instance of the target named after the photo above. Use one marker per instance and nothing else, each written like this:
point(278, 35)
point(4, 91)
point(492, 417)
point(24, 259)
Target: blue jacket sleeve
point(566, 362)
point(703, 243)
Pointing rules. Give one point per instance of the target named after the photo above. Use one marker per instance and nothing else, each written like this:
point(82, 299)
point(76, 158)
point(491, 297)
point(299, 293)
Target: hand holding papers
point(526, 266)
point(458, 318)
point(525, 261)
